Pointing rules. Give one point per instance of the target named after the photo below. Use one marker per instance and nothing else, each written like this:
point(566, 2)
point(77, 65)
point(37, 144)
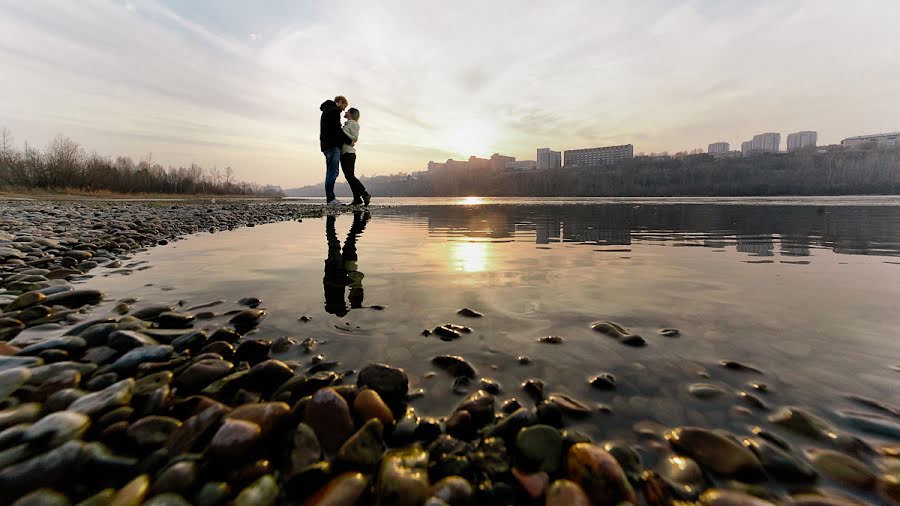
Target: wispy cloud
point(229, 82)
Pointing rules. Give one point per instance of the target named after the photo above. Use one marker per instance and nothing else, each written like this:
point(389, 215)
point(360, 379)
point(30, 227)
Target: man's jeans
point(332, 167)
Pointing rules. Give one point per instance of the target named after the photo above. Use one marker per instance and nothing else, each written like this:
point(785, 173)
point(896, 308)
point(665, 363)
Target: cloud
point(186, 81)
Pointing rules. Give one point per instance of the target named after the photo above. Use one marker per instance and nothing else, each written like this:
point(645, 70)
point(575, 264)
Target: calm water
point(809, 294)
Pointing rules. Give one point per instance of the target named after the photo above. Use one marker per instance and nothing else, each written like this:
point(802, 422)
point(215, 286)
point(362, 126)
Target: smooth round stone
point(716, 452)
point(202, 373)
point(57, 428)
point(569, 405)
point(534, 484)
point(599, 475)
point(626, 456)
point(705, 390)
point(12, 379)
point(722, 497)
point(43, 497)
point(268, 415)
point(25, 300)
point(329, 416)
point(363, 449)
point(23, 413)
point(262, 492)
point(403, 478)
point(344, 490)
point(566, 493)
point(133, 493)
point(541, 445)
point(111, 397)
point(306, 449)
point(480, 406)
point(841, 467)
point(168, 499)
point(779, 462)
point(267, 376)
point(212, 494)
point(152, 430)
point(368, 404)
point(682, 473)
point(137, 356)
point(124, 340)
point(253, 351)
point(177, 478)
point(453, 490)
point(603, 381)
point(391, 383)
point(146, 385)
point(235, 440)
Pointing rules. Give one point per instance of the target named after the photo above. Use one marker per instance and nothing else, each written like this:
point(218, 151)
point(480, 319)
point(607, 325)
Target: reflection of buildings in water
point(761, 246)
point(547, 228)
point(751, 228)
point(794, 245)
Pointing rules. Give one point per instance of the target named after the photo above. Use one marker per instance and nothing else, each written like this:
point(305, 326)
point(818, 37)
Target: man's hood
point(327, 105)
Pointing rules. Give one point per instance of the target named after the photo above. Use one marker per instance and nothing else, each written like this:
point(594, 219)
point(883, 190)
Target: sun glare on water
point(470, 256)
point(470, 201)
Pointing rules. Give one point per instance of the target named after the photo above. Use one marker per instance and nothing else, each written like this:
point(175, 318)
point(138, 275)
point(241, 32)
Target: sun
point(471, 137)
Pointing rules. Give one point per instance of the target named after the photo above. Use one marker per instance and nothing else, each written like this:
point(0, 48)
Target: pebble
point(345, 489)
point(403, 478)
point(269, 416)
point(111, 397)
point(305, 449)
point(535, 484)
point(541, 446)
point(368, 404)
point(56, 428)
point(721, 454)
point(235, 440)
point(363, 450)
point(841, 467)
point(329, 416)
point(12, 379)
point(599, 475)
point(391, 383)
point(566, 493)
point(262, 492)
point(455, 365)
point(469, 313)
point(603, 381)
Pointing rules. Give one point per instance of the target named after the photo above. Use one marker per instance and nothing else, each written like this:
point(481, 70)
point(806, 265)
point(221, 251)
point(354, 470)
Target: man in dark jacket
point(331, 138)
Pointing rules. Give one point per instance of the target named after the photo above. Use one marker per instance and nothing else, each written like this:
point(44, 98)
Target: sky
point(236, 83)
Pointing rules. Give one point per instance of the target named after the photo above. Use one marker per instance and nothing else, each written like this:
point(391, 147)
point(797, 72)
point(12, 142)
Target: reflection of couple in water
point(340, 267)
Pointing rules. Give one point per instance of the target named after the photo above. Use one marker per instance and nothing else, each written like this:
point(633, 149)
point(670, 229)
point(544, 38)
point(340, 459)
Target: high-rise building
point(593, 157)
point(746, 148)
point(718, 147)
point(769, 142)
point(479, 164)
point(799, 140)
point(498, 161)
point(436, 167)
point(548, 159)
point(881, 140)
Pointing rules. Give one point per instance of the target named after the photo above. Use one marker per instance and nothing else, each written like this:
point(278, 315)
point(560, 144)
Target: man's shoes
point(366, 198)
point(356, 202)
point(335, 203)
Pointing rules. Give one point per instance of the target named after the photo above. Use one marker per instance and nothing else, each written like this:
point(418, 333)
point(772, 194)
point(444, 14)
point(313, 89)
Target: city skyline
point(230, 84)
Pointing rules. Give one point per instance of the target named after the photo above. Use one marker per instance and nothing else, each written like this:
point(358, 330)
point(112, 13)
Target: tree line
point(835, 171)
point(64, 164)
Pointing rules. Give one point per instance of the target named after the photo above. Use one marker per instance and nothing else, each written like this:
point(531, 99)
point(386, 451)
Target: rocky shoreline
point(156, 404)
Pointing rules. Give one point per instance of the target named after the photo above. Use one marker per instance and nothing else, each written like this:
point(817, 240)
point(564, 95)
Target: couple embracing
point(337, 142)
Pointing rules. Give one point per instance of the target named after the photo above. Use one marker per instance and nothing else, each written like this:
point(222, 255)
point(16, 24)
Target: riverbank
point(182, 401)
point(70, 194)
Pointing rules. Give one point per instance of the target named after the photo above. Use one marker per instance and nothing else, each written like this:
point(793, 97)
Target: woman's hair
point(354, 113)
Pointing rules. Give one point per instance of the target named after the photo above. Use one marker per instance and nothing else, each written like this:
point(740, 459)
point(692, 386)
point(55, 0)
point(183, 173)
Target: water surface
point(808, 294)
